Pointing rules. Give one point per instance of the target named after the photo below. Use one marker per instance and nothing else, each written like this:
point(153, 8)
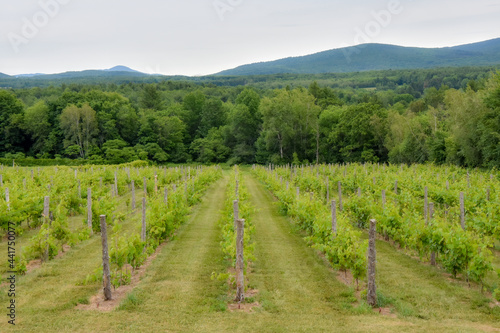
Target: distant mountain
point(112, 72)
point(29, 75)
point(369, 57)
point(2, 75)
point(121, 69)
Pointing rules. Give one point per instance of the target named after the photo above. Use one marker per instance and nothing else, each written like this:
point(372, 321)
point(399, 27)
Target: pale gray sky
point(198, 37)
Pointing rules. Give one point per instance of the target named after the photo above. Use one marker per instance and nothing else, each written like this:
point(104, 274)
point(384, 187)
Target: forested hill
point(378, 57)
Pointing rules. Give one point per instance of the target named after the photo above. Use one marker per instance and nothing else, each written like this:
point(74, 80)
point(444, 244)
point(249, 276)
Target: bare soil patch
point(97, 301)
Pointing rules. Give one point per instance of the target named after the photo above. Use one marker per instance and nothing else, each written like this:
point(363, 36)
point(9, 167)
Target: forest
point(446, 116)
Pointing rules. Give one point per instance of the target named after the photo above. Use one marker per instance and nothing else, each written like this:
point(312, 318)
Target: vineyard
point(269, 248)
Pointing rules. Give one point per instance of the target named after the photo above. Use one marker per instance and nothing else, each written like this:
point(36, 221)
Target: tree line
point(177, 122)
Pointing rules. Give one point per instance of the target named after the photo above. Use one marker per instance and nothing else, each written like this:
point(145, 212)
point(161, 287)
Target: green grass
point(298, 291)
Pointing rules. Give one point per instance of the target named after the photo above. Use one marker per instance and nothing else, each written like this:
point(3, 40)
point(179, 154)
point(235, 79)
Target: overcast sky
point(198, 37)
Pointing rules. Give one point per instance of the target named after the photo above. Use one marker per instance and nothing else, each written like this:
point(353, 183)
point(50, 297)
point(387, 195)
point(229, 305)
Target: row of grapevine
point(165, 210)
point(418, 207)
point(62, 186)
point(237, 206)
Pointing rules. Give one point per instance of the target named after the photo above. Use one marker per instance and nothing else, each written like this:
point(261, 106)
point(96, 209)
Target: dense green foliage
point(441, 116)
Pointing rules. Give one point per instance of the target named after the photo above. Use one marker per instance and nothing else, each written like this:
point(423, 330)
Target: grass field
point(297, 289)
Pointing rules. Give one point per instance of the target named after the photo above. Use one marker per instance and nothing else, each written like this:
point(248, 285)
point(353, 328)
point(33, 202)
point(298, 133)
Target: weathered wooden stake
point(156, 184)
point(133, 195)
point(165, 197)
point(396, 187)
point(383, 199)
point(372, 260)
point(240, 278)
point(237, 188)
point(143, 229)
point(334, 218)
point(327, 190)
point(341, 206)
point(89, 209)
point(116, 184)
point(236, 212)
point(46, 218)
point(426, 212)
point(7, 197)
point(145, 187)
point(106, 274)
point(431, 216)
point(462, 210)
point(298, 193)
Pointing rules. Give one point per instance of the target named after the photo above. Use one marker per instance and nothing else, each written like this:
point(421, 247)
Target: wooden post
point(100, 182)
point(46, 218)
point(462, 210)
point(327, 190)
point(156, 184)
point(145, 187)
point(396, 187)
point(298, 193)
point(237, 188)
point(89, 209)
point(79, 189)
point(106, 274)
point(372, 259)
point(311, 196)
point(431, 216)
point(334, 218)
point(236, 212)
point(240, 278)
point(116, 184)
point(143, 229)
point(1, 180)
point(383, 199)
point(165, 197)
point(468, 179)
point(7, 197)
point(133, 195)
point(341, 206)
point(426, 214)
point(359, 192)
